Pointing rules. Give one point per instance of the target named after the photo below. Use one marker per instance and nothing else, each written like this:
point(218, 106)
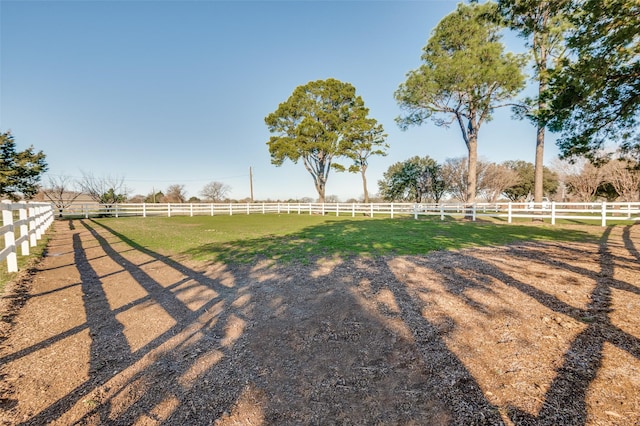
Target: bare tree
point(624, 179)
point(62, 191)
point(175, 194)
point(494, 180)
point(490, 179)
point(215, 191)
point(584, 182)
point(104, 190)
point(454, 172)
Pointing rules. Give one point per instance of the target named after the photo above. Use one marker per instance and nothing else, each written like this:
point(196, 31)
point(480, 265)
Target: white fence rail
point(23, 224)
point(598, 212)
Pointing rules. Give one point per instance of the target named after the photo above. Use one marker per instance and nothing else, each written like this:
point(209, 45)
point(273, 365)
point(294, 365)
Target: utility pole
point(251, 182)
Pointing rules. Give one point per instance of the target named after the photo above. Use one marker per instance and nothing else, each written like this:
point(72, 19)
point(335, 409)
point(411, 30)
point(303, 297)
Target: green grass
point(304, 237)
point(24, 262)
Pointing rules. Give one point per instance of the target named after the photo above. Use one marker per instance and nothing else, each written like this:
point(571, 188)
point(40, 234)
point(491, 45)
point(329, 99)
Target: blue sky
point(175, 92)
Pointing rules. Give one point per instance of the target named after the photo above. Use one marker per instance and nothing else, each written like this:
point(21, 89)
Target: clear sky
point(175, 92)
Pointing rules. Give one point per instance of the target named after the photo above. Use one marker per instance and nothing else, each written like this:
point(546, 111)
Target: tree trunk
point(364, 184)
point(472, 177)
point(320, 187)
point(538, 174)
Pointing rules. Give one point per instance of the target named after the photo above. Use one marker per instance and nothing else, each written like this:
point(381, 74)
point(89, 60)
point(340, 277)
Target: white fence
point(27, 220)
point(598, 212)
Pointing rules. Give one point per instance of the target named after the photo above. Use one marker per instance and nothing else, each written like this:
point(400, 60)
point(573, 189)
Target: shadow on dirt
point(344, 340)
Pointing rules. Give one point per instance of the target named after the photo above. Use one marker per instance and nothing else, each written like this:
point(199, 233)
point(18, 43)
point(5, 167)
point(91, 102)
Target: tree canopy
point(465, 75)
point(596, 94)
point(20, 171)
point(316, 124)
point(417, 179)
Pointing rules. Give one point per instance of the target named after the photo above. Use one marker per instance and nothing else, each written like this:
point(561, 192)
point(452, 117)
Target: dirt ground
point(529, 334)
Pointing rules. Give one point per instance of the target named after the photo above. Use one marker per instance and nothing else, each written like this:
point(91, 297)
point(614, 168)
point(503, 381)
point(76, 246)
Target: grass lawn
point(24, 262)
point(303, 237)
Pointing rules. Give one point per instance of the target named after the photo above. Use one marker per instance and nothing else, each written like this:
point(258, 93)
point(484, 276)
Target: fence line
point(30, 220)
point(553, 211)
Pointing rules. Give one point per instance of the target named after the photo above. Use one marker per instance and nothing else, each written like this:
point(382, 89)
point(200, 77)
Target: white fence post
point(33, 241)
point(473, 207)
point(604, 213)
point(353, 209)
point(168, 209)
point(441, 211)
point(371, 209)
point(509, 212)
point(144, 209)
point(9, 238)
point(391, 210)
point(24, 231)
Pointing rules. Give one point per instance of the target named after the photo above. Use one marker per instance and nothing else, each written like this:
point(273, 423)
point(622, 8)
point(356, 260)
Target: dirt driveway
point(530, 334)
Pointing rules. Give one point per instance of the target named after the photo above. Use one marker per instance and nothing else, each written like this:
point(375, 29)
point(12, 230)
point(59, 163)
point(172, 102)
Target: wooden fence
point(553, 211)
point(23, 224)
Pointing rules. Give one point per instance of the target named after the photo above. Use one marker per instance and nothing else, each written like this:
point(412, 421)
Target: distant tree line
point(422, 179)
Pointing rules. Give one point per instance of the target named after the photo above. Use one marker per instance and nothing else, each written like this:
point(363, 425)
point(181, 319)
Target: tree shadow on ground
point(279, 346)
point(345, 339)
point(565, 399)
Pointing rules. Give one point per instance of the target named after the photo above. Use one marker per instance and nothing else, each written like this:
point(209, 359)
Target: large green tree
point(543, 24)
point(316, 125)
point(596, 94)
point(417, 179)
point(465, 75)
point(20, 171)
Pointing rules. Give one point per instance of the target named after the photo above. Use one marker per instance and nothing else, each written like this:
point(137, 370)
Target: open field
point(242, 239)
point(325, 321)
